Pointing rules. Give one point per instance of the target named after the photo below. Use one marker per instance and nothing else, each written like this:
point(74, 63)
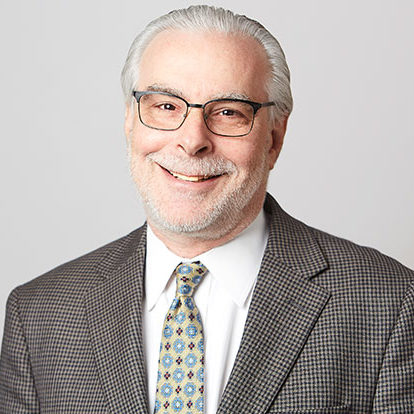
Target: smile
point(191, 178)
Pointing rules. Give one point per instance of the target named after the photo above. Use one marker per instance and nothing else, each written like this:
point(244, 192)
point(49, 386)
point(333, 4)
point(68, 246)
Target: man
point(268, 316)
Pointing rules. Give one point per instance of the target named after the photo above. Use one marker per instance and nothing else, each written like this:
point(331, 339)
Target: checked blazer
point(330, 329)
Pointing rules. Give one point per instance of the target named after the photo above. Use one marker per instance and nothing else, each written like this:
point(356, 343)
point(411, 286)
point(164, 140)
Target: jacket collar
point(292, 242)
point(114, 313)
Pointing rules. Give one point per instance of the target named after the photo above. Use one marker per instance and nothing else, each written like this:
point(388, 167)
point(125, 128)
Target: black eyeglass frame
point(255, 105)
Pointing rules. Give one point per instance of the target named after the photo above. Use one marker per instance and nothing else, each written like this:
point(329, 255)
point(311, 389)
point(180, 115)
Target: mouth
point(191, 178)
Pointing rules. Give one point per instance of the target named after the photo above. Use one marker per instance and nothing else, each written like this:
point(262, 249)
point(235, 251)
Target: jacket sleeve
point(395, 389)
point(17, 389)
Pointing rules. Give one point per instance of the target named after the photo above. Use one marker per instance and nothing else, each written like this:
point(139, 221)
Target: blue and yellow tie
point(180, 383)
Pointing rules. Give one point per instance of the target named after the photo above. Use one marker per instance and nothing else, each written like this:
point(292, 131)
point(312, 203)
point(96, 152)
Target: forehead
point(205, 64)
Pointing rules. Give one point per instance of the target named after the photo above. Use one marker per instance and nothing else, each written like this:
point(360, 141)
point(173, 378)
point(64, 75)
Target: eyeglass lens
point(223, 117)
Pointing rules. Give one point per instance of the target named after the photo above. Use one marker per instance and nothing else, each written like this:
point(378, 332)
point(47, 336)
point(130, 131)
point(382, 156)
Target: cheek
point(251, 156)
point(236, 150)
point(144, 140)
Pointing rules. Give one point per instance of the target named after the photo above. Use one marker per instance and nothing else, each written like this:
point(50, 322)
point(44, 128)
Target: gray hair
point(209, 18)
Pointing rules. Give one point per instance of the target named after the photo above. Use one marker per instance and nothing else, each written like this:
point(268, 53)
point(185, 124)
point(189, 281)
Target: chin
point(197, 226)
point(210, 224)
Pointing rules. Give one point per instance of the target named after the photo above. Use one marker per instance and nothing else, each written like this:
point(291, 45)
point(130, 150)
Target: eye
point(228, 112)
point(166, 106)
point(225, 112)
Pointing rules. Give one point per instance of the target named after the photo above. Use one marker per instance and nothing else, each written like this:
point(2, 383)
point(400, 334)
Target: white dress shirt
point(223, 299)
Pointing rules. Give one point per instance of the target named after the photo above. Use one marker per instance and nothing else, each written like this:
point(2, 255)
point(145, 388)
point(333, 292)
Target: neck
point(189, 246)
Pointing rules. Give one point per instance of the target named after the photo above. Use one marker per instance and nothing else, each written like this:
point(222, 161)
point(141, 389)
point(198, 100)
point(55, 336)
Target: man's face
point(200, 67)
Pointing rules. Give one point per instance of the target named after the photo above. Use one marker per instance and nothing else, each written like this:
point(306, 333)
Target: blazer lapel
point(284, 309)
point(114, 313)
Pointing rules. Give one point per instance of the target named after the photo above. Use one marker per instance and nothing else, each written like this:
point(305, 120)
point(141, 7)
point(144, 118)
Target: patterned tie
point(180, 382)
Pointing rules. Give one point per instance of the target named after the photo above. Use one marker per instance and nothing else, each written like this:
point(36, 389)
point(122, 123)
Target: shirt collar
point(234, 265)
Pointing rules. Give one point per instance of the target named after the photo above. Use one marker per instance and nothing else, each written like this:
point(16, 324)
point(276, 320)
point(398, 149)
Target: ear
point(277, 136)
point(129, 120)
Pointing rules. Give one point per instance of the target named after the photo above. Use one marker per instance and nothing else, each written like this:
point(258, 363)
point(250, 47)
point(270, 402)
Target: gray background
point(346, 167)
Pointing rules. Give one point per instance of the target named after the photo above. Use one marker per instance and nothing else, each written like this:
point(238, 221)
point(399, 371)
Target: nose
point(193, 137)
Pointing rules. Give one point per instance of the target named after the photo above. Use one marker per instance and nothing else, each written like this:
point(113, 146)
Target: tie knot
point(188, 276)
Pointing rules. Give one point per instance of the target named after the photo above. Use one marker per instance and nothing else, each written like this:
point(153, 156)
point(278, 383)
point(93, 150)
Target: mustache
point(193, 166)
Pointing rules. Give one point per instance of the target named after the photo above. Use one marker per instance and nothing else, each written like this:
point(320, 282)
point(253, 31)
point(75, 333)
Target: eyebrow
point(230, 95)
point(160, 88)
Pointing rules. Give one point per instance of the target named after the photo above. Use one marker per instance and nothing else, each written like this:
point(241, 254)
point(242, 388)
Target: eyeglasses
point(226, 117)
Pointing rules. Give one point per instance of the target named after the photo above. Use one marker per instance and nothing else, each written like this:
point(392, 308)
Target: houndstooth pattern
point(330, 329)
point(180, 385)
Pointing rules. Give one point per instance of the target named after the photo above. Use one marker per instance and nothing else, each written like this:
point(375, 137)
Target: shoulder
point(339, 251)
point(73, 278)
point(362, 272)
point(343, 260)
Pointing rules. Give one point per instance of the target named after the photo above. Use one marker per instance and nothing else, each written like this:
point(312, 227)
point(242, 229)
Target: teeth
point(194, 178)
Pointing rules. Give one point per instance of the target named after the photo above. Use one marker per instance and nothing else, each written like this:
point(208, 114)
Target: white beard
point(220, 216)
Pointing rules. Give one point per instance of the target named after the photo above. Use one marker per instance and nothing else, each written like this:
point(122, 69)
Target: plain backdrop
point(347, 165)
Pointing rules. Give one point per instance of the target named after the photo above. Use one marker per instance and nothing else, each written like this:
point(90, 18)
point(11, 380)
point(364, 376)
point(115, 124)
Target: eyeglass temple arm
point(257, 105)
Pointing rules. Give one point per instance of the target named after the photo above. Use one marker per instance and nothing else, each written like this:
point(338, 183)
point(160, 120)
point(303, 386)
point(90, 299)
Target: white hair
point(209, 18)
